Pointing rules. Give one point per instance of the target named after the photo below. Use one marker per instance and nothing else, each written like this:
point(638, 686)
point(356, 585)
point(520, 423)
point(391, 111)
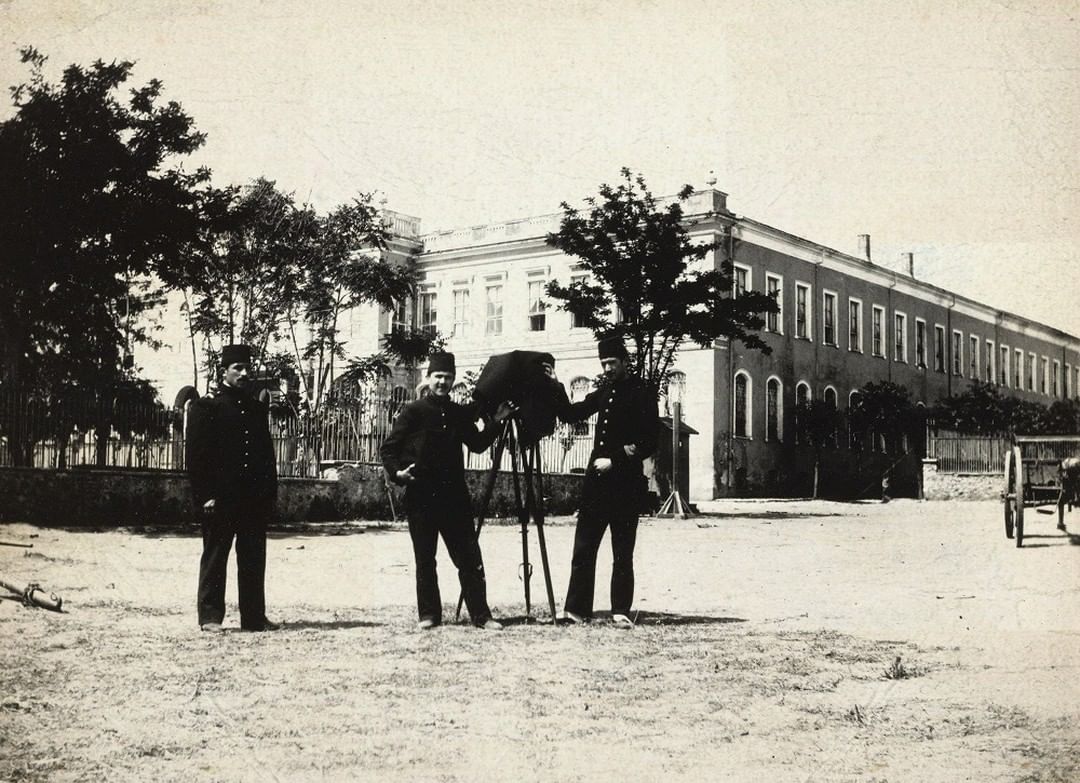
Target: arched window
point(774, 410)
point(830, 398)
point(802, 399)
point(854, 439)
point(675, 391)
point(743, 403)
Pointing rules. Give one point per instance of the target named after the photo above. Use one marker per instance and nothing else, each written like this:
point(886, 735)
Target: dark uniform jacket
point(626, 415)
point(230, 456)
point(429, 432)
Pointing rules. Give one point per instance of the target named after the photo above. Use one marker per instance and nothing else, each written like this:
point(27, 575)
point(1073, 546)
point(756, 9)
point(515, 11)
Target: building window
point(742, 405)
point(828, 321)
point(939, 348)
point(461, 312)
point(774, 321)
point(830, 399)
point(920, 343)
point(877, 331)
point(1018, 371)
point(855, 327)
point(741, 279)
point(957, 353)
point(1033, 369)
point(773, 410)
point(1044, 376)
point(537, 306)
point(429, 318)
point(973, 358)
point(900, 337)
point(494, 310)
point(802, 311)
point(401, 320)
point(1055, 379)
point(802, 399)
point(988, 366)
point(1068, 382)
point(575, 320)
point(1003, 369)
point(854, 442)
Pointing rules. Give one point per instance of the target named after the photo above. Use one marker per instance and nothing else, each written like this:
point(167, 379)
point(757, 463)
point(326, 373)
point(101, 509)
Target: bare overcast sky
point(943, 128)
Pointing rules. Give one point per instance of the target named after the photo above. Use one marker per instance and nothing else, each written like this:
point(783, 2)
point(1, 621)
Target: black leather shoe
point(267, 625)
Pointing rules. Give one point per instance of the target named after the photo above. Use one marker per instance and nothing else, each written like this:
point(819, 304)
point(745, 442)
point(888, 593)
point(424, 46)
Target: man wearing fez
point(423, 452)
point(231, 465)
point(626, 431)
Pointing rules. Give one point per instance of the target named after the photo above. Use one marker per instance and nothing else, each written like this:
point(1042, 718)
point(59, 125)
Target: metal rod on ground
point(33, 595)
point(16, 543)
point(485, 496)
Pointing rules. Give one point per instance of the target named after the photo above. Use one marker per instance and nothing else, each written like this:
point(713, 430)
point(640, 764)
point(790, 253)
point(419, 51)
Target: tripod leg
point(485, 498)
point(538, 516)
point(523, 519)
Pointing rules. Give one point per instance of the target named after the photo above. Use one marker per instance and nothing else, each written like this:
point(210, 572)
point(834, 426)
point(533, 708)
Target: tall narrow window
point(854, 325)
point(773, 288)
point(957, 353)
point(429, 318)
point(973, 357)
point(401, 320)
point(1044, 376)
point(802, 399)
point(830, 399)
point(1003, 368)
point(773, 401)
point(537, 306)
point(1055, 379)
point(1033, 369)
point(920, 342)
point(1068, 382)
point(575, 321)
point(900, 337)
point(494, 310)
point(988, 365)
point(742, 405)
point(461, 312)
point(829, 318)
point(741, 283)
point(939, 348)
point(877, 334)
point(802, 311)
point(1018, 371)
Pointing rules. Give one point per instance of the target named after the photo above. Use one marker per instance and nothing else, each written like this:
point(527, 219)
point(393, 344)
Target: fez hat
point(441, 361)
point(611, 348)
point(234, 354)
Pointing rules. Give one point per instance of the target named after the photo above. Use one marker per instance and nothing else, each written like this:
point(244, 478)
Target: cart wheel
point(1010, 490)
point(1018, 514)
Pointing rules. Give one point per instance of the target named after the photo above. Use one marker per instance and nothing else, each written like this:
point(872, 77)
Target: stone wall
point(129, 497)
point(959, 486)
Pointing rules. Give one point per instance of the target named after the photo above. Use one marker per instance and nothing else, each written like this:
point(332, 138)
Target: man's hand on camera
point(208, 506)
point(630, 450)
point(405, 476)
point(549, 370)
point(505, 411)
point(602, 465)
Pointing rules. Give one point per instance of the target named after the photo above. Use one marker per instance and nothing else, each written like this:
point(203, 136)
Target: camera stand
point(529, 504)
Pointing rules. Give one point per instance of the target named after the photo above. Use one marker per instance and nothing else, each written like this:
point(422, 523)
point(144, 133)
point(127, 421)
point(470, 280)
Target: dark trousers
point(588, 534)
point(246, 522)
point(427, 520)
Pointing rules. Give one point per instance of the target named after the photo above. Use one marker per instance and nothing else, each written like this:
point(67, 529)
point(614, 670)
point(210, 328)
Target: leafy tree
point(817, 422)
point(642, 284)
point(980, 410)
point(885, 409)
point(94, 214)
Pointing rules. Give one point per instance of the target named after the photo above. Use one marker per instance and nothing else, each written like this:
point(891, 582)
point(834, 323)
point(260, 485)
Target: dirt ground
point(793, 641)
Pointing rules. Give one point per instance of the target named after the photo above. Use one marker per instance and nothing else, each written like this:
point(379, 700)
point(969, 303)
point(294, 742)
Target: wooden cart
point(1033, 479)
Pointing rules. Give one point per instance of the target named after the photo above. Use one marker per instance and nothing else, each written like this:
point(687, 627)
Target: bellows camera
point(519, 377)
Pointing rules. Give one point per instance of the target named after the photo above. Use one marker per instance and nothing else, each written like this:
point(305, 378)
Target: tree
point(642, 287)
point(817, 422)
point(93, 215)
point(885, 410)
point(983, 410)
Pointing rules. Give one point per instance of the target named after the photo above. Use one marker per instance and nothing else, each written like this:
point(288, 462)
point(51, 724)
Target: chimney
point(864, 247)
point(909, 259)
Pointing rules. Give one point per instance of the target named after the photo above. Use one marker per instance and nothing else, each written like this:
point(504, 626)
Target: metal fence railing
point(979, 454)
point(88, 431)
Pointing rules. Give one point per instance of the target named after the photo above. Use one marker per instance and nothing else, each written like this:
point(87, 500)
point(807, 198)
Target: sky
point(945, 128)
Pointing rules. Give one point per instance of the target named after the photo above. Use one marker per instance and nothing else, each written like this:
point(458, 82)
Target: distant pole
point(674, 506)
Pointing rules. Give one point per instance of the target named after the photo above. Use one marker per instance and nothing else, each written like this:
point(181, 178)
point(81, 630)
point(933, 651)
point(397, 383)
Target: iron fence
point(89, 431)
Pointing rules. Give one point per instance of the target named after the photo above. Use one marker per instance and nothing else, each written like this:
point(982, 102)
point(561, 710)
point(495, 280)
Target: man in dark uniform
point(626, 432)
point(423, 453)
point(231, 465)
